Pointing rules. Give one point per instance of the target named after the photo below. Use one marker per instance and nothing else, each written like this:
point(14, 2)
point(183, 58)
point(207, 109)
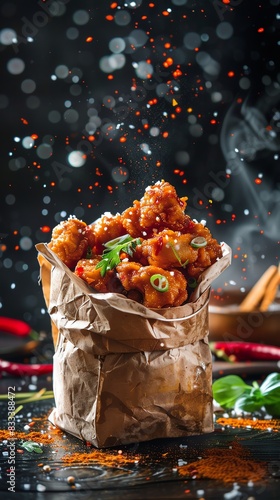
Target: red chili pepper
point(22, 369)
point(159, 245)
point(246, 351)
point(14, 326)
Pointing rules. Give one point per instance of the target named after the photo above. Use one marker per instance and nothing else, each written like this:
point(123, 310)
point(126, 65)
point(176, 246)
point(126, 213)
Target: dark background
point(206, 119)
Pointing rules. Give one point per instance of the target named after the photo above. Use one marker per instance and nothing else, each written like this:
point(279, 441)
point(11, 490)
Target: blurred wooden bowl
point(227, 323)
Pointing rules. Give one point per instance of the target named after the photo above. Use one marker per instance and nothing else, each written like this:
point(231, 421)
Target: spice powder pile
point(260, 424)
point(233, 464)
point(109, 459)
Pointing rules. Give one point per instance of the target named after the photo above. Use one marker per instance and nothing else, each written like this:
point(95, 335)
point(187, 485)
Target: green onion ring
point(162, 285)
point(199, 242)
point(192, 282)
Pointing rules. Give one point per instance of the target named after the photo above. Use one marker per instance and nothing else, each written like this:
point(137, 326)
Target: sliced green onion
point(199, 242)
point(159, 282)
point(192, 282)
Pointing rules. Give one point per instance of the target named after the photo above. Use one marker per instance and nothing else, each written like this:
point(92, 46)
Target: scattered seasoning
point(233, 464)
point(101, 457)
point(263, 425)
point(35, 436)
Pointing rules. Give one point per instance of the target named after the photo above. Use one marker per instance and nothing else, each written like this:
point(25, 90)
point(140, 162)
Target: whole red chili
point(244, 351)
point(14, 326)
point(22, 369)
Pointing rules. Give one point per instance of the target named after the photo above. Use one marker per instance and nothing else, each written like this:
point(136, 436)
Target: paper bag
point(124, 373)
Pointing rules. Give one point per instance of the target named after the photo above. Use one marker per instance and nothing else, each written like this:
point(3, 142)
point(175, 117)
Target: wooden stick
point(271, 291)
point(252, 299)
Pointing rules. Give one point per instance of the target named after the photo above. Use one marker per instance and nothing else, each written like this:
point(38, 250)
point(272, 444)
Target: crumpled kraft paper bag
point(124, 373)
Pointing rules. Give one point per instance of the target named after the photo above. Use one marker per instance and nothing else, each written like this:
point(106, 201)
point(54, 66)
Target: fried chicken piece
point(169, 249)
point(70, 241)
point(160, 208)
point(133, 276)
point(106, 228)
point(86, 269)
point(205, 258)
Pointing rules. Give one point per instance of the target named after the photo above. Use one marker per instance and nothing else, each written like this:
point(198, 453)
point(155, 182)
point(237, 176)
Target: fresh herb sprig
point(113, 248)
point(231, 392)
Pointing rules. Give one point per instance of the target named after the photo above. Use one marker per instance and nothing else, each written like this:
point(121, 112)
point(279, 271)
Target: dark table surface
point(154, 469)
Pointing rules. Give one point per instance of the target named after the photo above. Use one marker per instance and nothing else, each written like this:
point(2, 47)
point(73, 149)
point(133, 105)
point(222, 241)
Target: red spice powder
point(103, 458)
point(229, 465)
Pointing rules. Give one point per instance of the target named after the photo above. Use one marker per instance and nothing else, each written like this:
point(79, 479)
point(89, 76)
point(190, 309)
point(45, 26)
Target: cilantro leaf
point(111, 255)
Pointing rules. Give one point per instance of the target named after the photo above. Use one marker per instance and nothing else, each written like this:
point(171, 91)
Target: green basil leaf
point(32, 446)
point(271, 382)
point(226, 390)
point(273, 396)
point(249, 403)
point(273, 410)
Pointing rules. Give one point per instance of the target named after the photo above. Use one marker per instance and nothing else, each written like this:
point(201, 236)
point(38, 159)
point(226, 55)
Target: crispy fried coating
point(206, 256)
point(70, 240)
point(133, 276)
point(130, 221)
point(106, 228)
point(160, 208)
point(86, 269)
